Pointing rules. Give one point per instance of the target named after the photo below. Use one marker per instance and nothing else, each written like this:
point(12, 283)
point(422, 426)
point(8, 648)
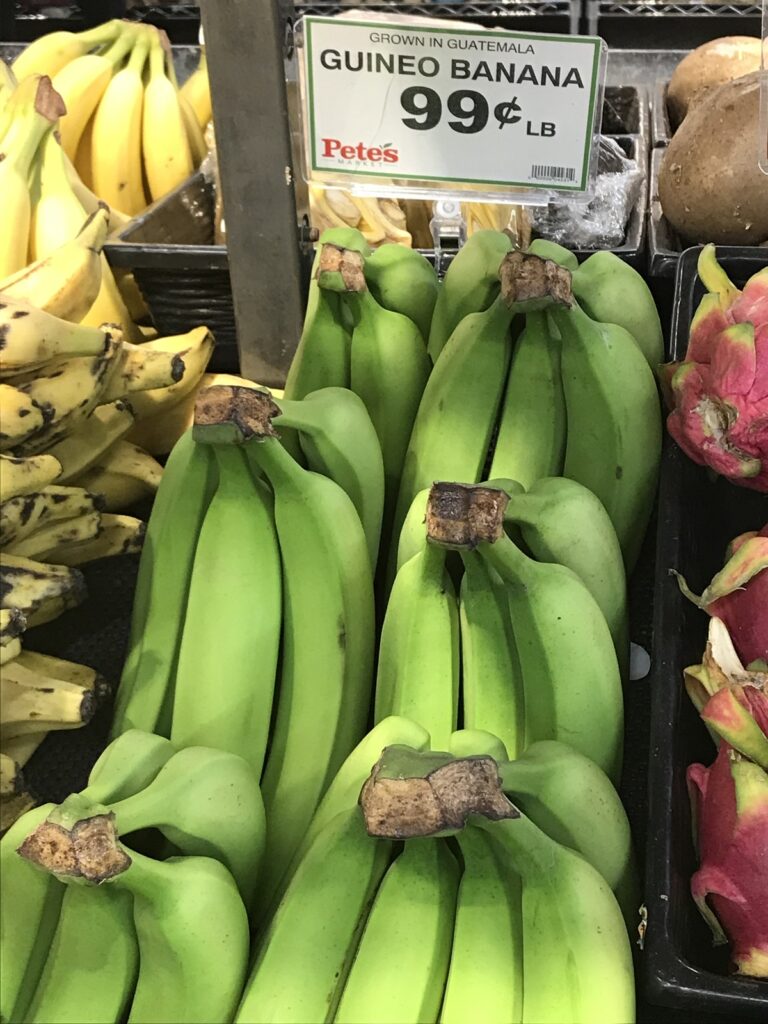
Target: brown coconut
point(714, 63)
point(710, 185)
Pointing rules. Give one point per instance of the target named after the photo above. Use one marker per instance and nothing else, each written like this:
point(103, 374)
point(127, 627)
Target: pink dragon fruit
point(738, 595)
point(719, 394)
point(730, 811)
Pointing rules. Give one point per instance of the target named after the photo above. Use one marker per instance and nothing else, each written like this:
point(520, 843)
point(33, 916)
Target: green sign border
point(309, 20)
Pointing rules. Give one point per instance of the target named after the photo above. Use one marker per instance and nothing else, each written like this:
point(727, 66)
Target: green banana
point(613, 409)
point(90, 972)
point(327, 647)
point(29, 911)
point(491, 677)
point(571, 678)
point(576, 804)
point(552, 251)
point(485, 977)
point(145, 695)
point(474, 742)
point(207, 803)
point(305, 953)
point(562, 521)
point(322, 357)
point(418, 671)
point(532, 427)
point(127, 766)
point(399, 972)
point(611, 291)
point(192, 931)
point(227, 659)
point(457, 414)
point(577, 961)
point(470, 285)
point(344, 792)
point(403, 280)
point(389, 369)
point(339, 440)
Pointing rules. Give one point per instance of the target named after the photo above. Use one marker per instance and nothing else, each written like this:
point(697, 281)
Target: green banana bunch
point(470, 285)
point(207, 803)
point(306, 951)
point(31, 906)
point(321, 359)
point(403, 280)
point(491, 677)
point(418, 668)
point(401, 965)
point(562, 521)
point(338, 440)
point(532, 423)
point(458, 411)
point(485, 976)
point(614, 422)
point(577, 961)
point(145, 696)
point(227, 659)
point(192, 931)
point(94, 940)
point(327, 640)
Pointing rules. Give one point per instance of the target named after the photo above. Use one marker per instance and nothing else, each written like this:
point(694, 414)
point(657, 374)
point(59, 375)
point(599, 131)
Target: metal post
point(244, 46)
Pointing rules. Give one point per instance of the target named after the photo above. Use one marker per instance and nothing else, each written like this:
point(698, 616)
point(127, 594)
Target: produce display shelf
point(669, 23)
point(697, 519)
point(510, 14)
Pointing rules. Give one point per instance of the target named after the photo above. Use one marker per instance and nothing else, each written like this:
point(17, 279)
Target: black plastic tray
point(697, 519)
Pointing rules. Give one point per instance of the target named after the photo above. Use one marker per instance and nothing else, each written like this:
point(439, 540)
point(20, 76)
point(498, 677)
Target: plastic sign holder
point(425, 109)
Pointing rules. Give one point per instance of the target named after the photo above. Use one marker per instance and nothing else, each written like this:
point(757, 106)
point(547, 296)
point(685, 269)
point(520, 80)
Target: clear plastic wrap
point(602, 222)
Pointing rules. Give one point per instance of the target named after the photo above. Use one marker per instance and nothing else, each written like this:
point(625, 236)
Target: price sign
point(470, 107)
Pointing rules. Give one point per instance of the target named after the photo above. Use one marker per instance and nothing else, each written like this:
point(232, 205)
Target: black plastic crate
point(697, 518)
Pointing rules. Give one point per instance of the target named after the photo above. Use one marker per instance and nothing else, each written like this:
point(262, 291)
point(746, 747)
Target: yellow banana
point(90, 202)
point(82, 83)
point(21, 748)
point(109, 307)
point(57, 213)
point(118, 535)
point(19, 417)
point(32, 338)
point(195, 348)
point(66, 282)
point(139, 368)
point(24, 476)
point(197, 92)
point(166, 151)
point(116, 141)
point(50, 53)
point(33, 115)
point(93, 437)
point(57, 534)
point(31, 702)
point(124, 475)
point(40, 592)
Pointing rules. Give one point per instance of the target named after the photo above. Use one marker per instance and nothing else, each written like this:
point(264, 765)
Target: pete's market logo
point(385, 154)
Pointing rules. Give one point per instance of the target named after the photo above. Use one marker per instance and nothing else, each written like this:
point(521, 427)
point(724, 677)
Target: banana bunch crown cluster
point(127, 130)
point(501, 870)
point(93, 929)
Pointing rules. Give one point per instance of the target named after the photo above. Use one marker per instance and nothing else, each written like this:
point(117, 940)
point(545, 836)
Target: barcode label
point(546, 172)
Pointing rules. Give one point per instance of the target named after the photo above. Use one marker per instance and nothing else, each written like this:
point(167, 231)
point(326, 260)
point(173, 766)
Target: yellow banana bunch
point(166, 149)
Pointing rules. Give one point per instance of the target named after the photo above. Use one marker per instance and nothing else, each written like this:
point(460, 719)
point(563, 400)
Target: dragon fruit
point(719, 393)
point(738, 595)
point(730, 810)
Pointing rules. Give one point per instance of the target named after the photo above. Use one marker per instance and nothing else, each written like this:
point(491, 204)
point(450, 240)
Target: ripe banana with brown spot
point(53, 536)
point(31, 702)
point(23, 476)
point(118, 535)
point(40, 592)
point(31, 337)
point(92, 438)
point(19, 417)
point(124, 475)
point(21, 516)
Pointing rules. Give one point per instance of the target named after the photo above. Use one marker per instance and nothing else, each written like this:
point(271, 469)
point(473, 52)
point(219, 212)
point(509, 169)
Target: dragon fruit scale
point(719, 393)
point(730, 810)
point(738, 594)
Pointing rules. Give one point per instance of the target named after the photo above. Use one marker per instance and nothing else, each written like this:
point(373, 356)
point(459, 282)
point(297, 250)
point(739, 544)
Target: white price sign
point(454, 105)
